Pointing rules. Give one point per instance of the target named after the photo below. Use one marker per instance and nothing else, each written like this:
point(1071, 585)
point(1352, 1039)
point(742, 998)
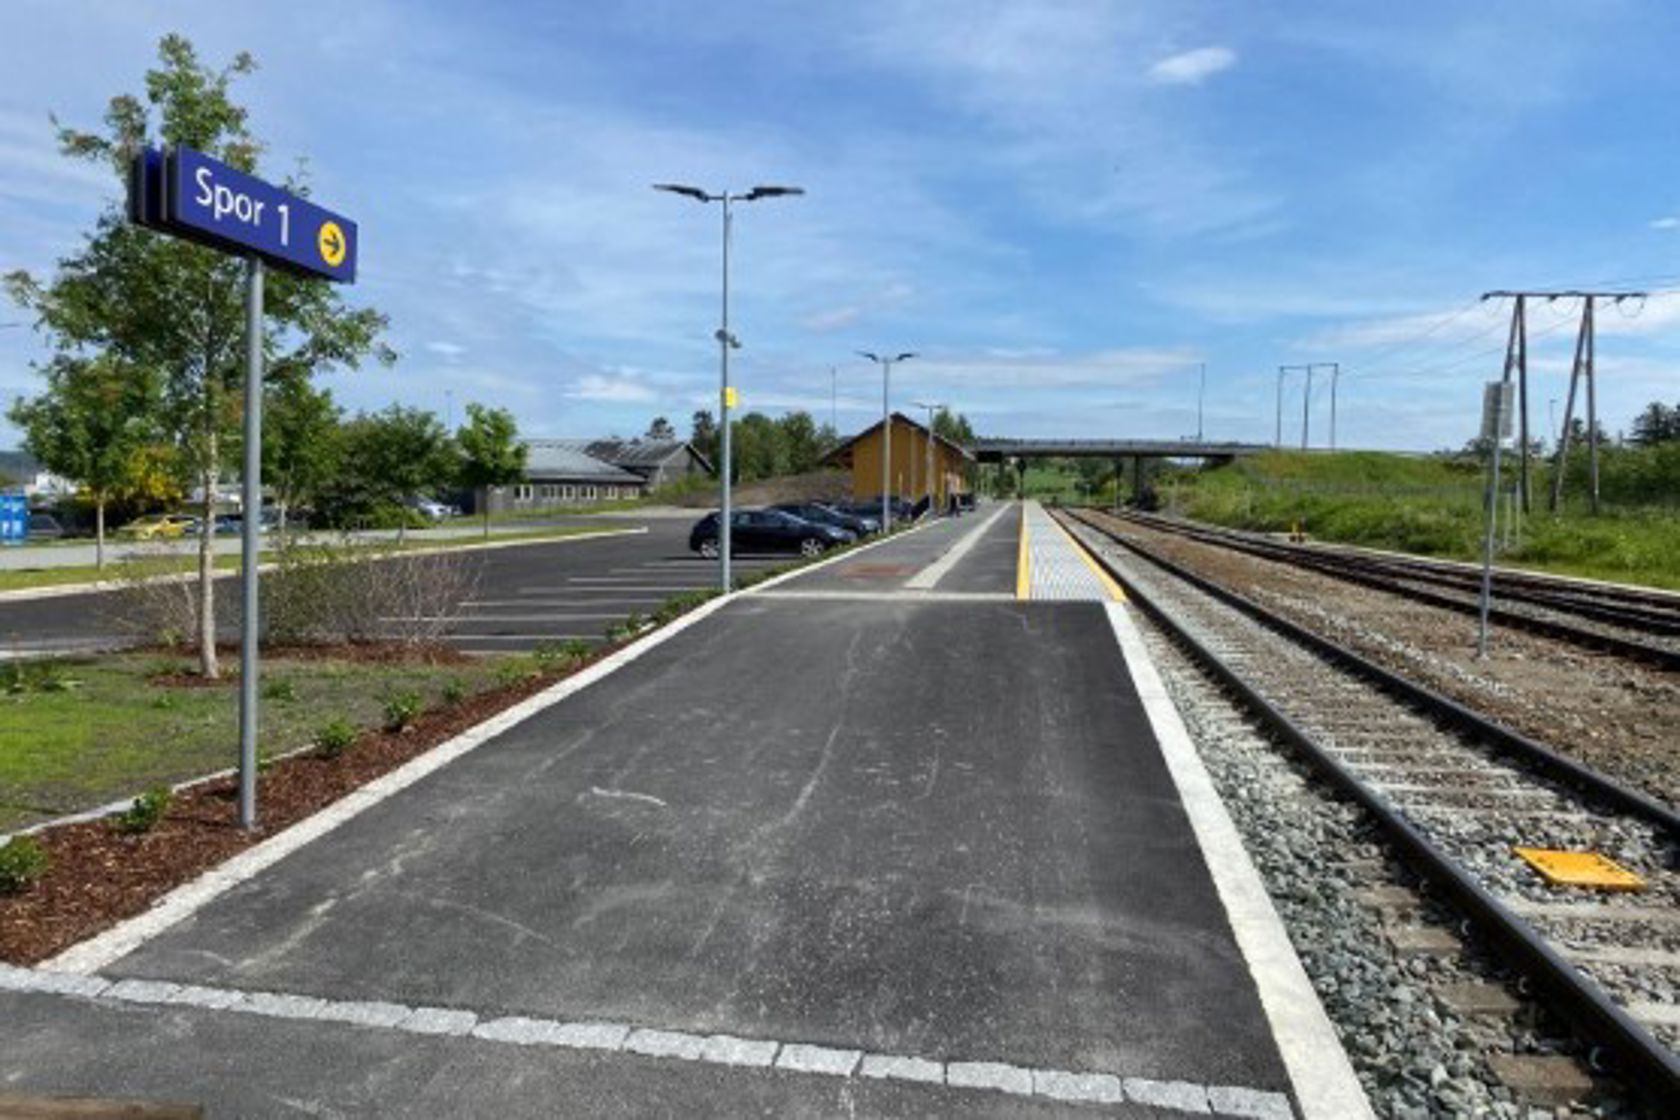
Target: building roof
point(643, 452)
point(570, 458)
point(845, 448)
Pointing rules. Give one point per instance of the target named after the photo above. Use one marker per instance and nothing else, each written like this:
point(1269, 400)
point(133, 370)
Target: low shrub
point(20, 677)
point(454, 691)
point(551, 656)
point(402, 709)
point(281, 691)
point(335, 737)
point(148, 809)
point(22, 862)
point(517, 670)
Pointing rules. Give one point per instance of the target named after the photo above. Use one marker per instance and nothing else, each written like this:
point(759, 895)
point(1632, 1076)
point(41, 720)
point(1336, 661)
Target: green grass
point(91, 731)
point(1426, 505)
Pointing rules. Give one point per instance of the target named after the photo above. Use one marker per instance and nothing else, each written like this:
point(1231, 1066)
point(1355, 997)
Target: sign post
point(1496, 429)
point(187, 194)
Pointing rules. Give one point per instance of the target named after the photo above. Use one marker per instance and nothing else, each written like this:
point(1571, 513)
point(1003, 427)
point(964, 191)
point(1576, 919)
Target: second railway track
point(1627, 622)
point(1449, 795)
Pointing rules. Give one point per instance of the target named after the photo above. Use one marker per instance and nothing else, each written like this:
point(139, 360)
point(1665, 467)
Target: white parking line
point(593, 602)
point(1085, 1086)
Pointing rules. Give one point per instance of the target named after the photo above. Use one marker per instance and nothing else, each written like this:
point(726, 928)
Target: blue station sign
point(189, 194)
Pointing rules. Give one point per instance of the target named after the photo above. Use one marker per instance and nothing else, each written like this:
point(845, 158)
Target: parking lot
point(574, 591)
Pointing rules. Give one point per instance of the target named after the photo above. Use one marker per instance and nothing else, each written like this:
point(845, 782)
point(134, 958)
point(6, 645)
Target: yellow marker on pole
point(731, 399)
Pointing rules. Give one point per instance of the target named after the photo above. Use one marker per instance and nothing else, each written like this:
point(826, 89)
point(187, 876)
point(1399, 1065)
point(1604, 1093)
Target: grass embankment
point(1431, 506)
point(118, 570)
point(76, 734)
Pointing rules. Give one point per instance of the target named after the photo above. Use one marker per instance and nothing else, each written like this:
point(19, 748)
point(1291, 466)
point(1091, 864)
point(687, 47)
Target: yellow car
point(158, 527)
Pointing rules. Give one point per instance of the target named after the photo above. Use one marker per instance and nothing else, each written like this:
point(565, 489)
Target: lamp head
point(678, 188)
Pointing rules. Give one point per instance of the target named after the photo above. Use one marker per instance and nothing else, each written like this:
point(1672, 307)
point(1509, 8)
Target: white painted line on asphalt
point(116, 583)
point(724, 1050)
point(596, 602)
point(928, 578)
point(120, 940)
point(1318, 1066)
point(897, 596)
point(458, 637)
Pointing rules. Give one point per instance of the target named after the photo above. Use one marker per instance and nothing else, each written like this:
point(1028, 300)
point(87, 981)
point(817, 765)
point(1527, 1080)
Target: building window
point(522, 493)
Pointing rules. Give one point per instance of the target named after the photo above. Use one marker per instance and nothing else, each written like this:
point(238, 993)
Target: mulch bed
point(99, 877)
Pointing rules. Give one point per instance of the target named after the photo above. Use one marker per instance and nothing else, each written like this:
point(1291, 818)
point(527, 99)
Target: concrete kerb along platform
point(811, 840)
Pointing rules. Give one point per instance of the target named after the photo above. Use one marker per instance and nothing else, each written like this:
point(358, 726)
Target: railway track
point(1454, 793)
point(1626, 622)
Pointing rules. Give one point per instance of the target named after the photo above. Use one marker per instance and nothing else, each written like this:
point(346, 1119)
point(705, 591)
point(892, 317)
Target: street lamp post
point(886, 365)
point(726, 343)
point(932, 407)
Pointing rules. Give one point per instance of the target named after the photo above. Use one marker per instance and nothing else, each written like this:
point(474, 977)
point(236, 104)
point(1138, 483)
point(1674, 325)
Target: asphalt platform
point(888, 838)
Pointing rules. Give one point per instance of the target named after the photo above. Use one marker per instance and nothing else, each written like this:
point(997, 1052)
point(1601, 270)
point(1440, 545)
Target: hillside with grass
point(1433, 505)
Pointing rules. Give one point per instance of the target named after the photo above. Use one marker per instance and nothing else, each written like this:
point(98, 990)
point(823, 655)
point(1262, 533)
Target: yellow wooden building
point(922, 463)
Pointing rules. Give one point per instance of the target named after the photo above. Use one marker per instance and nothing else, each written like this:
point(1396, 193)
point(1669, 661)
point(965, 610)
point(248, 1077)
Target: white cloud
point(618, 390)
point(1669, 222)
point(447, 350)
point(1193, 67)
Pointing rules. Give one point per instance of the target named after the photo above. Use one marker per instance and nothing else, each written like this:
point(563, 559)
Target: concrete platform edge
point(89, 956)
point(1325, 1085)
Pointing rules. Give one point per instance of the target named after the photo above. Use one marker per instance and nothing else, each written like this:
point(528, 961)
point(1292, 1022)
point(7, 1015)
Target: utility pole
point(1516, 352)
point(1201, 393)
point(1306, 409)
point(1306, 399)
point(1335, 376)
point(932, 407)
point(1277, 438)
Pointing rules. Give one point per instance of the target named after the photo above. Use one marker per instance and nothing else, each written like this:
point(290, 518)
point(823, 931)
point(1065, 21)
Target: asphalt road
point(521, 594)
point(936, 827)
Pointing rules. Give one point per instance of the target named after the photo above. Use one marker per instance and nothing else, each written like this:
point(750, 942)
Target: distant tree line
point(793, 443)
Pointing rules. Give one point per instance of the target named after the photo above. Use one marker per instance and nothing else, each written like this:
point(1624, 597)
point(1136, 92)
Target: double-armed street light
point(932, 408)
point(886, 365)
point(726, 342)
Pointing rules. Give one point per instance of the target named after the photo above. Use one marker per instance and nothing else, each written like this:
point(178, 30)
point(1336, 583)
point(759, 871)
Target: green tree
point(491, 454)
point(1656, 424)
point(397, 454)
point(704, 436)
point(302, 442)
point(758, 450)
point(661, 430)
point(175, 309)
point(90, 426)
point(801, 442)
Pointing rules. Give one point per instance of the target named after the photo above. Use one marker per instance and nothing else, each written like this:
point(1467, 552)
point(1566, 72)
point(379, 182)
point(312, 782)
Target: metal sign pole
point(726, 515)
point(250, 525)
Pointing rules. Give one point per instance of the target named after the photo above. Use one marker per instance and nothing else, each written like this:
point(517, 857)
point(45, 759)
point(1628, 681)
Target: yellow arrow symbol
point(332, 244)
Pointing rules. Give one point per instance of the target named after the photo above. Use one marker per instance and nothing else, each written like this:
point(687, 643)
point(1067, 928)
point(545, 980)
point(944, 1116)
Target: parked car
point(827, 515)
point(766, 530)
point(44, 527)
point(871, 508)
point(159, 526)
point(429, 508)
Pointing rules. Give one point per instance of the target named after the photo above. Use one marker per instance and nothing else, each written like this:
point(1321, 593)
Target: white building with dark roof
point(571, 472)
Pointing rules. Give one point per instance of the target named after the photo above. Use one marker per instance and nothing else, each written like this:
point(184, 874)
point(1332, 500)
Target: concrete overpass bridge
point(1115, 450)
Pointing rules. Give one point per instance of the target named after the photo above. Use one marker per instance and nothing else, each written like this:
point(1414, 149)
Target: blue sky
point(1065, 207)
